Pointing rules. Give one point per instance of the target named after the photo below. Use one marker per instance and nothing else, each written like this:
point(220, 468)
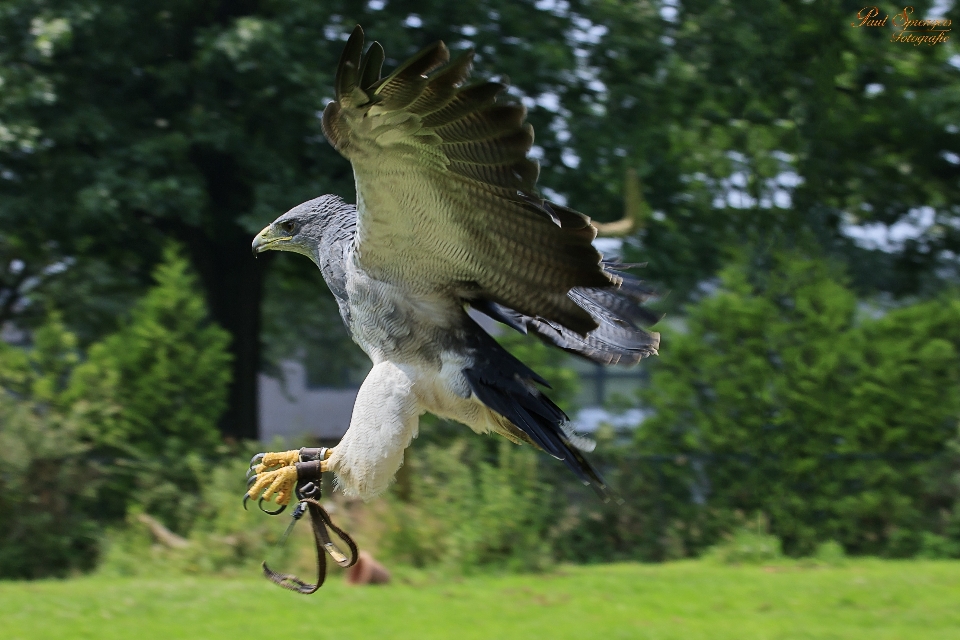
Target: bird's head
point(300, 230)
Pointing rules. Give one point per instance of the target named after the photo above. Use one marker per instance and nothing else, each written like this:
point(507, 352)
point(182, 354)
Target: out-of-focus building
point(292, 410)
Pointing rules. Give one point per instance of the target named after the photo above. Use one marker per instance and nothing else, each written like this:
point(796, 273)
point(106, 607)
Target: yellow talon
point(278, 459)
point(280, 481)
point(277, 474)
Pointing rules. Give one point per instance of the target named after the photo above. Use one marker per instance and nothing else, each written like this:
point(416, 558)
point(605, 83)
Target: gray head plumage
point(306, 228)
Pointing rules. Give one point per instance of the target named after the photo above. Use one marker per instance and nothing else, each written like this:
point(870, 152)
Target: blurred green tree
point(783, 395)
point(166, 368)
point(164, 377)
point(762, 121)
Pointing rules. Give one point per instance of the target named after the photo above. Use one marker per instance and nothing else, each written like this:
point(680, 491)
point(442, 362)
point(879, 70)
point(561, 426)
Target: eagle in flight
point(447, 217)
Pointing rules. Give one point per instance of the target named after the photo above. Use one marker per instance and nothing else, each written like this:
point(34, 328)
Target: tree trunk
point(220, 251)
point(233, 280)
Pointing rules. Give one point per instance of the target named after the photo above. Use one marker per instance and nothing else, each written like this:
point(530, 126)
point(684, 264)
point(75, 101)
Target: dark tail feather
point(506, 385)
point(617, 310)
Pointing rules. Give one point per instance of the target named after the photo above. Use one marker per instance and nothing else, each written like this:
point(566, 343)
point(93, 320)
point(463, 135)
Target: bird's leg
point(277, 474)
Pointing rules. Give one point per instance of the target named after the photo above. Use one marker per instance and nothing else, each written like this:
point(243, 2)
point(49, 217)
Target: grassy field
point(861, 599)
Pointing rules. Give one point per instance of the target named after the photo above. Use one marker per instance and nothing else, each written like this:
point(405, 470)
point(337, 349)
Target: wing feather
point(490, 123)
point(408, 81)
point(371, 65)
point(509, 148)
point(520, 176)
point(446, 194)
point(346, 78)
point(443, 85)
point(465, 102)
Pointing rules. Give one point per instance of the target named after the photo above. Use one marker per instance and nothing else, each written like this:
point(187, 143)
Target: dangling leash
point(308, 495)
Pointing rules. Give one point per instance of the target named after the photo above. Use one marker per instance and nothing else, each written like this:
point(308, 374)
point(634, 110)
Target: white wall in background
point(292, 410)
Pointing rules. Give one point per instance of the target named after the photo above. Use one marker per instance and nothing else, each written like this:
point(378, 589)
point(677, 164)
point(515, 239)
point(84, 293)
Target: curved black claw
point(271, 513)
point(251, 472)
point(257, 459)
point(246, 496)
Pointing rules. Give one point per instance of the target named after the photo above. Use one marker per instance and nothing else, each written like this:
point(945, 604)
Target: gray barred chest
point(425, 335)
point(390, 323)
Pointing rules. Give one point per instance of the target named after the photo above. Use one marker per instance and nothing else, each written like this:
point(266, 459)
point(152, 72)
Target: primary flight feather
point(447, 217)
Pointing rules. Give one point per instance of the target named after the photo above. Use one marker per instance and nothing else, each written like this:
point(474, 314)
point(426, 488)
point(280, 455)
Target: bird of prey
point(447, 217)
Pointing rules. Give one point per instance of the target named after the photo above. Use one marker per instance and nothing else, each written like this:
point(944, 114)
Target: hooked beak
point(266, 238)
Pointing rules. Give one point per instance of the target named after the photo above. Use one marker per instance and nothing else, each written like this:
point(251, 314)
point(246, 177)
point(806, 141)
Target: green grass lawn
point(861, 599)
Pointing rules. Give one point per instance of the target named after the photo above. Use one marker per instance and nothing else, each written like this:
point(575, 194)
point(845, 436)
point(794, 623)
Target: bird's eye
point(288, 226)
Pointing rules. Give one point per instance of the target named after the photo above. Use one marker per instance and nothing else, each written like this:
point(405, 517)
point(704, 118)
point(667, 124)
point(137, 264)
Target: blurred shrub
point(167, 369)
point(746, 546)
point(458, 513)
point(132, 424)
point(830, 552)
point(938, 547)
point(164, 376)
point(47, 482)
point(223, 538)
point(783, 398)
point(943, 493)
point(746, 543)
point(638, 528)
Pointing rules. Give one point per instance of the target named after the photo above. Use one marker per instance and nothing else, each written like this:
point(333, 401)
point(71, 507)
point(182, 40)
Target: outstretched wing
point(446, 193)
